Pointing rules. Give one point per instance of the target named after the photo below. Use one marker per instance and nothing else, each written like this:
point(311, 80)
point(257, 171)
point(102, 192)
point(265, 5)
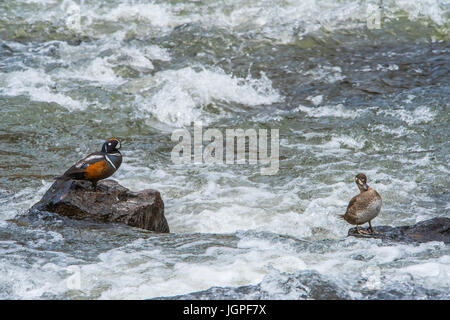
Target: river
point(352, 86)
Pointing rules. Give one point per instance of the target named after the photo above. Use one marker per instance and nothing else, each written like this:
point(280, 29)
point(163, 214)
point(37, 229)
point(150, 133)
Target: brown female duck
point(363, 207)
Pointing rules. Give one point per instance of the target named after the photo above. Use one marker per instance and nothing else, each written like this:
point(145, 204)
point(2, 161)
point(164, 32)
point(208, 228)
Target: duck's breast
point(371, 211)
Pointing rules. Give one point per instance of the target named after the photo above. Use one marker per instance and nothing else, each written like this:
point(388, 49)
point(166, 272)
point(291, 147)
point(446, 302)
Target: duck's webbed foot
point(362, 232)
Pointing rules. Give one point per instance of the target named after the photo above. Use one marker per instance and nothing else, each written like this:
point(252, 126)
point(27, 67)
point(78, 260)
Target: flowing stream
point(353, 86)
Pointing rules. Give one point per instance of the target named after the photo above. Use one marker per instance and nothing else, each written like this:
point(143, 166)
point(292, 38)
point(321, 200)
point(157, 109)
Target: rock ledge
point(436, 229)
point(110, 203)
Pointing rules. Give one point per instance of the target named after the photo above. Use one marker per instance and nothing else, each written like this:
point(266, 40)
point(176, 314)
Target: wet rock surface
point(436, 229)
point(110, 203)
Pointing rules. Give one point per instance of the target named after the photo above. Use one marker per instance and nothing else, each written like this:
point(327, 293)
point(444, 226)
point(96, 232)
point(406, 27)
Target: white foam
point(86, 61)
point(162, 273)
point(426, 8)
point(98, 70)
point(316, 100)
point(336, 111)
point(326, 73)
point(282, 21)
point(342, 143)
point(398, 132)
point(421, 114)
point(38, 86)
point(159, 15)
point(181, 95)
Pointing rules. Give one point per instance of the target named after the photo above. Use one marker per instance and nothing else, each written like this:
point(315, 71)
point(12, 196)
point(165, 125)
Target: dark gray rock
point(436, 229)
point(110, 203)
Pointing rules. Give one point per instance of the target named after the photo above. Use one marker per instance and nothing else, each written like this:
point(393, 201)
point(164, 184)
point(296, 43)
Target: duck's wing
point(352, 206)
point(362, 202)
point(78, 170)
point(356, 204)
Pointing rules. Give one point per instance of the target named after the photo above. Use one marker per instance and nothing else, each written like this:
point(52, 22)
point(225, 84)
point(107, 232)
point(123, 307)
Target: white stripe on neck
point(110, 162)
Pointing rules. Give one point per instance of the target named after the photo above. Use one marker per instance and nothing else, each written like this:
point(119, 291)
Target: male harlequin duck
point(363, 207)
point(97, 165)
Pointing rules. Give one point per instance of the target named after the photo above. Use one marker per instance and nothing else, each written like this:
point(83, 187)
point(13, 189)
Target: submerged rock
point(303, 285)
point(110, 203)
point(436, 229)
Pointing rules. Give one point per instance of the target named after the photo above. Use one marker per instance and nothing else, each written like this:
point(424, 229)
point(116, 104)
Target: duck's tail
point(341, 216)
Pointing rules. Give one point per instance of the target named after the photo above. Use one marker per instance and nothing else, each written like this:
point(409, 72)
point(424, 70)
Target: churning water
point(353, 86)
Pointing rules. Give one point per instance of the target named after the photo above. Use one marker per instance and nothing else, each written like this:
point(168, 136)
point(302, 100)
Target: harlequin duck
point(97, 165)
point(363, 207)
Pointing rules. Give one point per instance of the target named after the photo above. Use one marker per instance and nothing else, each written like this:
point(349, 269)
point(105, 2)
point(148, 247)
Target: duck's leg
point(370, 228)
point(94, 185)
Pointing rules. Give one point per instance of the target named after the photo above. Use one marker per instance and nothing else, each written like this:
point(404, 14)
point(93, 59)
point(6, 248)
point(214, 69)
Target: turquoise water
point(347, 96)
